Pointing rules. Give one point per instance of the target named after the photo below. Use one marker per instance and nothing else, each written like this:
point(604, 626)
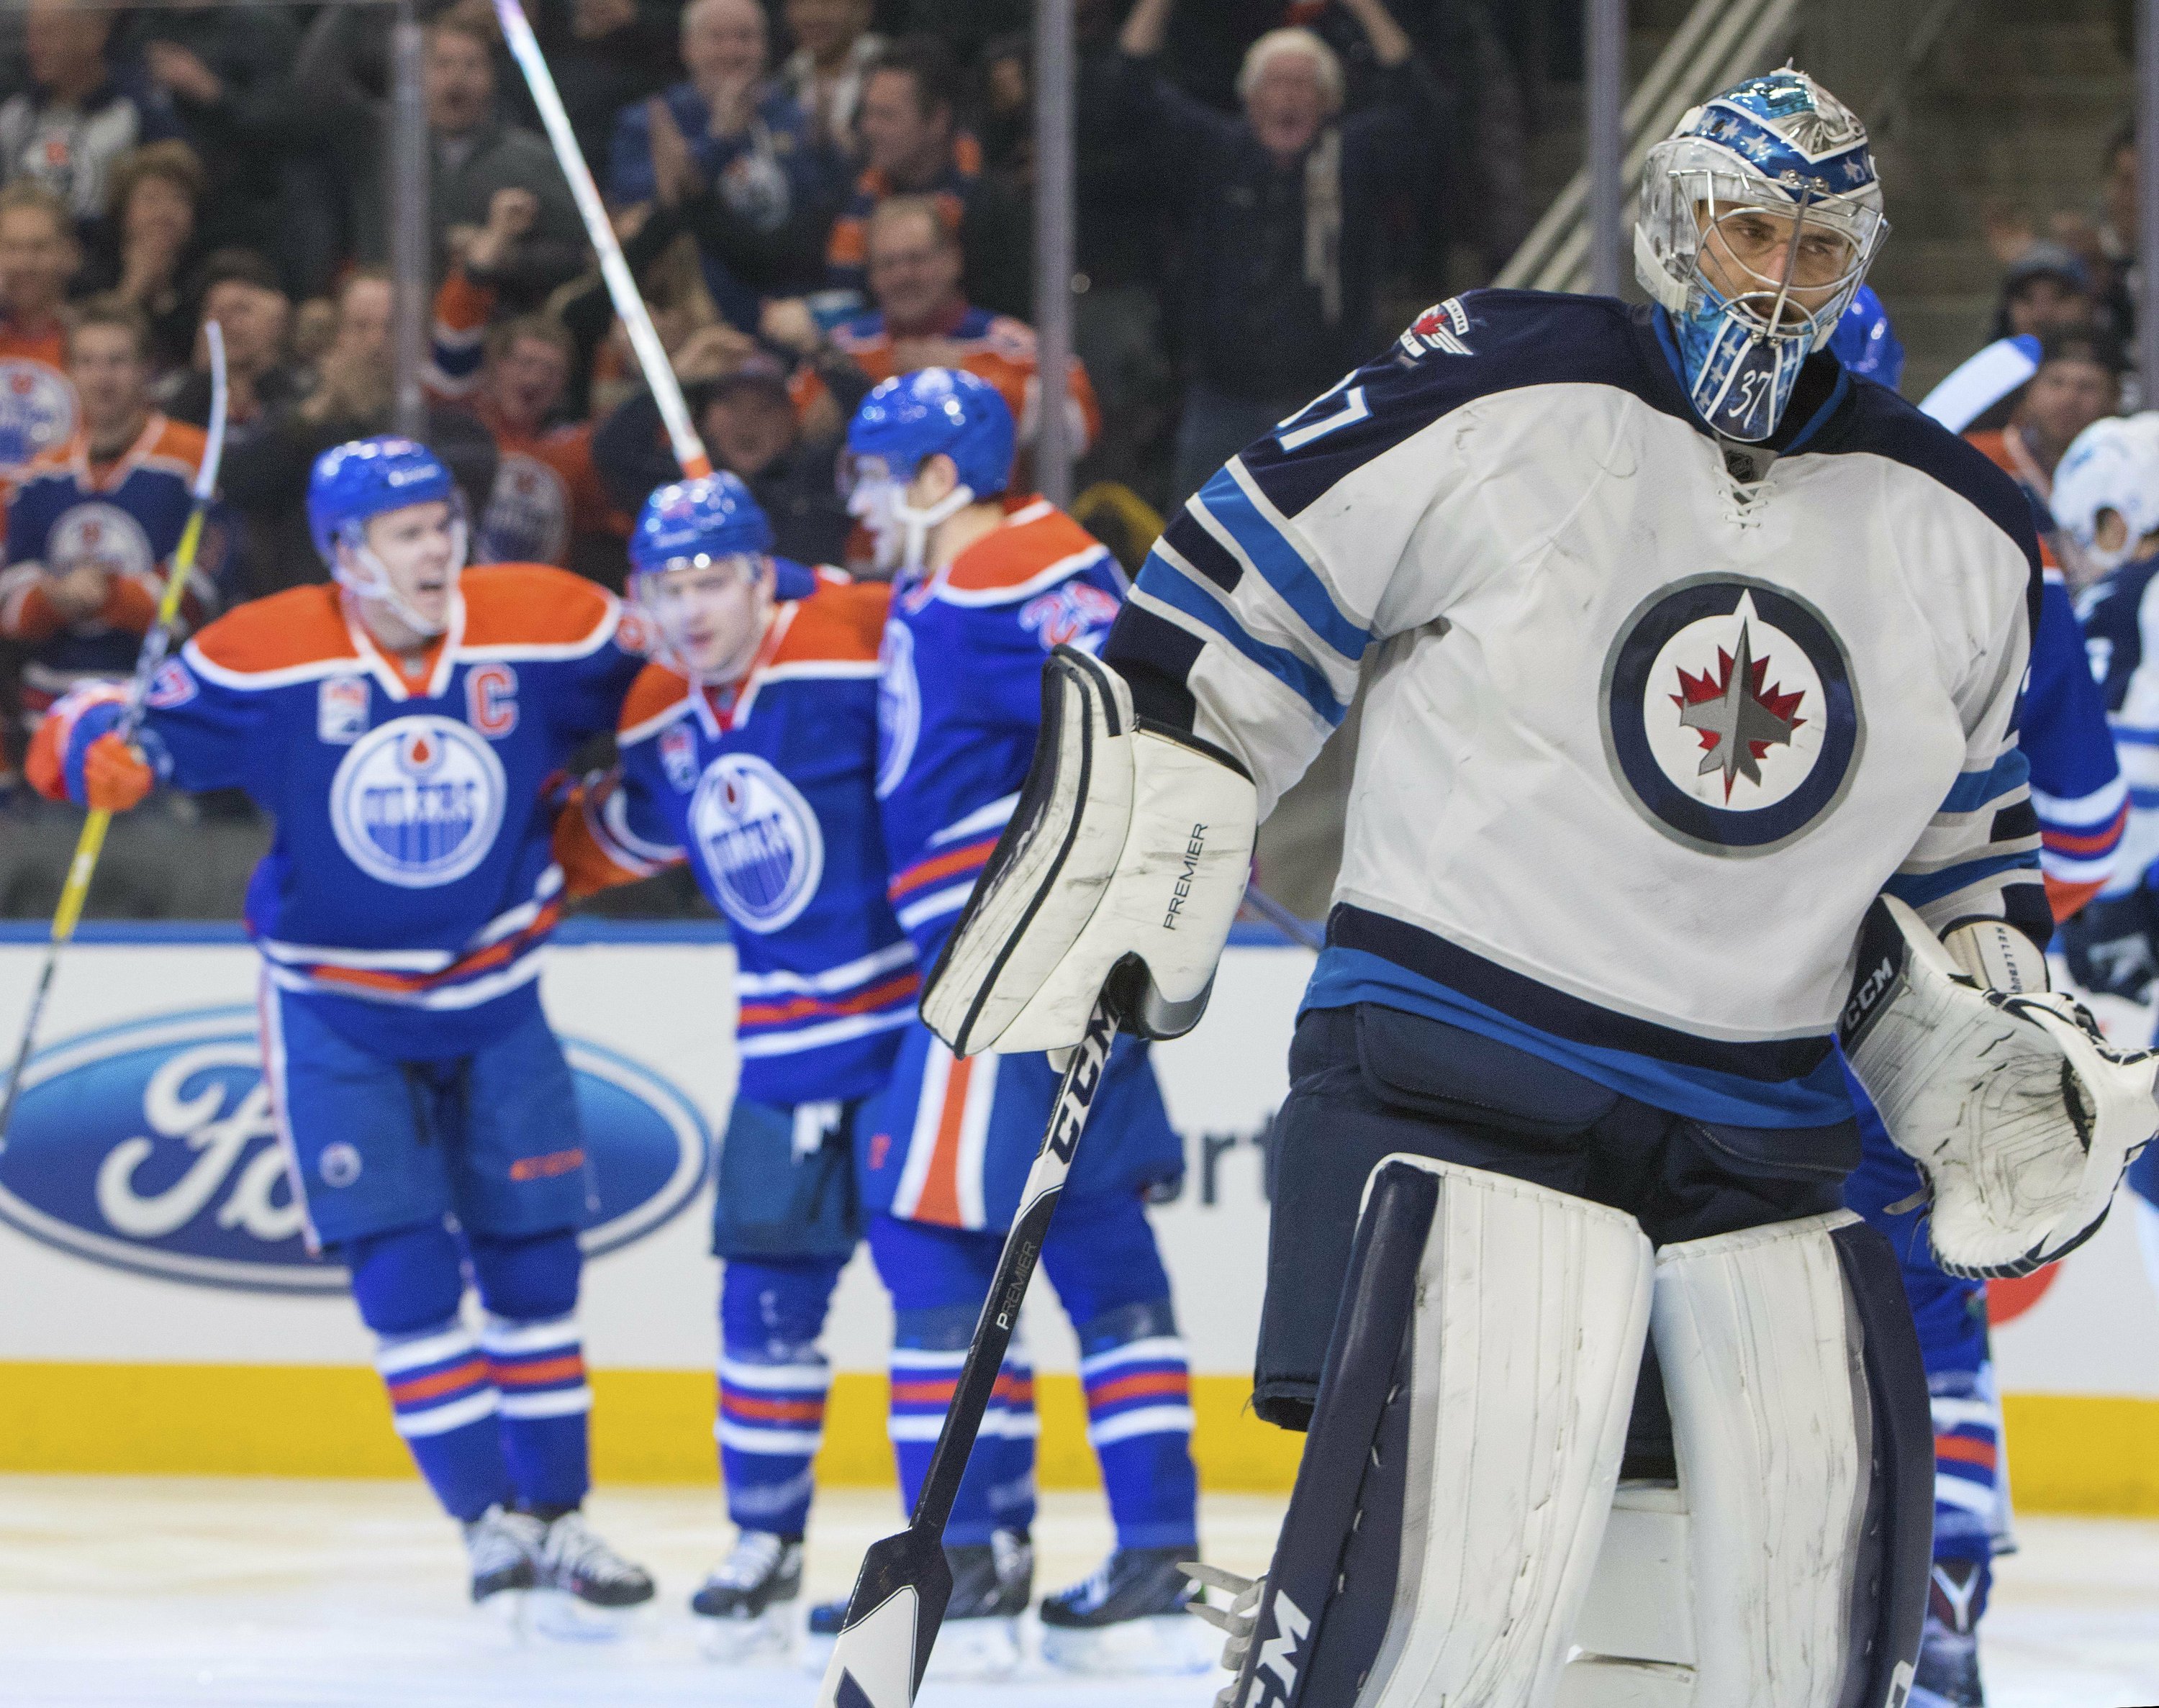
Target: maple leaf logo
point(1737, 712)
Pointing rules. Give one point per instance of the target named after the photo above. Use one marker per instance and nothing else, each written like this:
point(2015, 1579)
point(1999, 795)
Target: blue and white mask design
point(1759, 218)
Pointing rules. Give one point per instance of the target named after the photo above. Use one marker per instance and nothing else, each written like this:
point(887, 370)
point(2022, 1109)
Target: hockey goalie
point(1688, 764)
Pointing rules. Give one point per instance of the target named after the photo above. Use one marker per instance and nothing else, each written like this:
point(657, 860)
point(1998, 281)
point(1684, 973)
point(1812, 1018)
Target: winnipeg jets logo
point(1730, 716)
point(1444, 326)
point(1738, 719)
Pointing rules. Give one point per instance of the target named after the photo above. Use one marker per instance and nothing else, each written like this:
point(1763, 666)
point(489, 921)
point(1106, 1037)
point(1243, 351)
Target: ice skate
point(992, 1583)
point(1947, 1673)
point(1130, 1616)
point(503, 1549)
point(585, 1590)
point(746, 1604)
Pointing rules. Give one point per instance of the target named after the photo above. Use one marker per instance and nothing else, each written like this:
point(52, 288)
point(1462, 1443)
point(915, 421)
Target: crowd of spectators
point(813, 194)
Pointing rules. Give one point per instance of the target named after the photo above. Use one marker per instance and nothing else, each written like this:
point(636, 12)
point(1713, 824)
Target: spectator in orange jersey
point(923, 320)
point(39, 257)
point(908, 121)
point(2078, 381)
point(92, 528)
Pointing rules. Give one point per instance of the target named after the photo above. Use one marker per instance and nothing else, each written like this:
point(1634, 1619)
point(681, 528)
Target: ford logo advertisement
point(151, 1146)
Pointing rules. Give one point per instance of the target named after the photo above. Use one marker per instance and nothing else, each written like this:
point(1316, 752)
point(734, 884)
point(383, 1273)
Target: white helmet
point(1774, 166)
point(2112, 465)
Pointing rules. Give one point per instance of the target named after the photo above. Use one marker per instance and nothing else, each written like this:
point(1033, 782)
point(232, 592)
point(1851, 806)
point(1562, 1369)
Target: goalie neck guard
point(1759, 218)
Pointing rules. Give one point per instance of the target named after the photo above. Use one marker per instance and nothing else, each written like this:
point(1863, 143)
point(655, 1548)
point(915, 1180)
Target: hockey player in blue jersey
point(988, 583)
point(399, 724)
point(1690, 748)
point(749, 749)
point(2106, 502)
point(2081, 805)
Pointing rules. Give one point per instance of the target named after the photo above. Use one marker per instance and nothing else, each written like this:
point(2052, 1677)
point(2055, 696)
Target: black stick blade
point(892, 1621)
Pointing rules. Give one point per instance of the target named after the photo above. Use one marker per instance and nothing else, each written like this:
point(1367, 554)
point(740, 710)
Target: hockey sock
point(1969, 1513)
point(1109, 1276)
point(1139, 1422)
point(536, 1354)
point(408, 1284)
point(444, 1404)
point(773, 1385)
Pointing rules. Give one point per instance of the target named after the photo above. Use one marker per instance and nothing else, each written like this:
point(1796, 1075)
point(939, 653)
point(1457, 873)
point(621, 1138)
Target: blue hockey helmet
point(1759, 218)
point(1865, 343)
point(707, 523)
point(904, 422)
point(361, 479)
point(912, 418)
point(689, 522)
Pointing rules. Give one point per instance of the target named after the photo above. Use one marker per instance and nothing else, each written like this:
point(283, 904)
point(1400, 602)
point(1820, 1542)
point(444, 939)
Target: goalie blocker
point(1127, 854)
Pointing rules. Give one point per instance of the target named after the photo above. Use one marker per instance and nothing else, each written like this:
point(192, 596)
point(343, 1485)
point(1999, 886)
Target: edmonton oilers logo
point(760, 841)
point(37, 412)
point(102, 535)
point(1730, 715)
point(899, 706)
point(417, 802)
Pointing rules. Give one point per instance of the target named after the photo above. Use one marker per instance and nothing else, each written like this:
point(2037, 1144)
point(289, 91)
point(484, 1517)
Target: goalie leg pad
point(1787, 1569)
point(1471, 1420)
point(1128, 851)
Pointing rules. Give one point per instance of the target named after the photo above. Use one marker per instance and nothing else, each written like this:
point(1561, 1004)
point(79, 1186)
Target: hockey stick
point(156, 644)
point(899, 1596)
point(1301, 931)
point(599, 231)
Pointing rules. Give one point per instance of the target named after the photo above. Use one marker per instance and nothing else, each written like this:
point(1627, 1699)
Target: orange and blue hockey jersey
point(768, 790)
point(962, 698)
point(2077, 789)
point(411, 878)
point(124, 518)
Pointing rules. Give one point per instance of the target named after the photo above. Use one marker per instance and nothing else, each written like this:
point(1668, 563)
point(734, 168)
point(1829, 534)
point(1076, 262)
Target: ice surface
point(264, 1594)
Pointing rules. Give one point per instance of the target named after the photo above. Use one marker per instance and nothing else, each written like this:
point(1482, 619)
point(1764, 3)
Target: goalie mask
point(1759, 218)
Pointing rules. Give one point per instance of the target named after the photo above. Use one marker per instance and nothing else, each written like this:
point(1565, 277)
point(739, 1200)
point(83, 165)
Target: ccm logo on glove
point(1195, 845)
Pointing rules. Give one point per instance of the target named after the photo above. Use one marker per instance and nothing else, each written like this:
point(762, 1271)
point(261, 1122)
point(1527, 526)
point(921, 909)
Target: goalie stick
point(90, 844)
point(899, 1596)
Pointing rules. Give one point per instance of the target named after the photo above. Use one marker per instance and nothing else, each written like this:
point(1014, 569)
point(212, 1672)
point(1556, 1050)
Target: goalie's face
point(421, 548)
point(711, 615)
point(1785, 264)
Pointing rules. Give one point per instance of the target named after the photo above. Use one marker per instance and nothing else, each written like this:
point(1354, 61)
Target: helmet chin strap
point(916, 523)
point(374, 582)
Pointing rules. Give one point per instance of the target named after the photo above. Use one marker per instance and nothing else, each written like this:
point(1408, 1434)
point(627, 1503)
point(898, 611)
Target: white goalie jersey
point(1651, 719)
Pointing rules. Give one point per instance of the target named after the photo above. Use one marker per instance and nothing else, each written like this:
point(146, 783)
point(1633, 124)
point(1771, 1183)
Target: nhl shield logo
point(1730, 718)
point(417, 802)
point(760, 841)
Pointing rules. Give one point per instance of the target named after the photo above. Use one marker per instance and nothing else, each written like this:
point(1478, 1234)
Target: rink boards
point(161, 1313)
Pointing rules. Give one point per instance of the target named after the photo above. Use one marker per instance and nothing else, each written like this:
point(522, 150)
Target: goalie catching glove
point(2021, 1116)
point(1127, 852)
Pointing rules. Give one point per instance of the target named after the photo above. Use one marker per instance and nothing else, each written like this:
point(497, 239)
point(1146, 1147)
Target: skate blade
point(731, 1641)
point(557, 1615)
point(976, 1648)
point(1167, 1645)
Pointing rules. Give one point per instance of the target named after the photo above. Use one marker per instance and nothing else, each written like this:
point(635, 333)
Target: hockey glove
point(2108, 945)
point(2021, 1116)
point(1128, 851)
point(77, 754)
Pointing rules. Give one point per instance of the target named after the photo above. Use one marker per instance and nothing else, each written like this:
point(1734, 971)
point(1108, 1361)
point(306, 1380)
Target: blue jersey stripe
point(1819, 1099)
point(1917, 890)
point(1162, 581)
point(1281, 564)
point(1975, 788)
